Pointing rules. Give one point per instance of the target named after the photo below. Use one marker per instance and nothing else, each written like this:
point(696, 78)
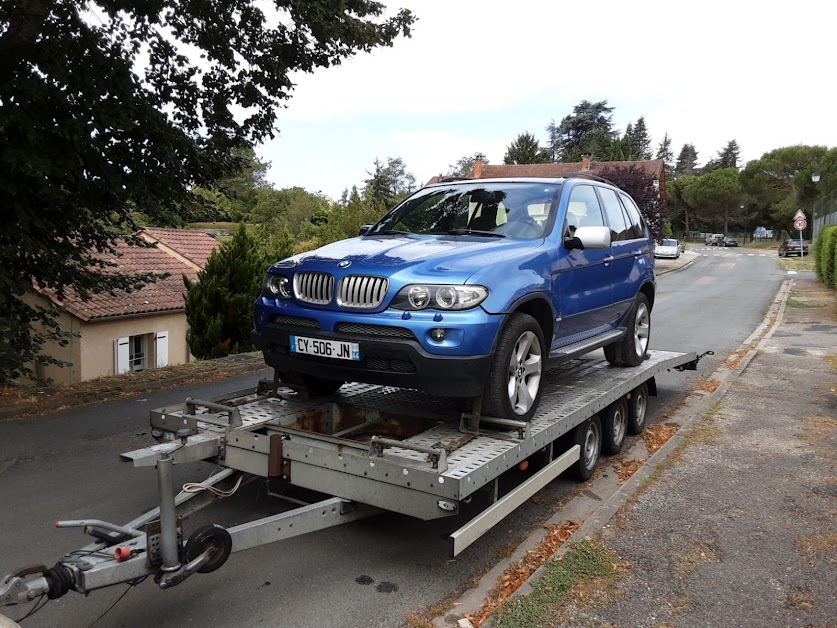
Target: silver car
point(667, 248)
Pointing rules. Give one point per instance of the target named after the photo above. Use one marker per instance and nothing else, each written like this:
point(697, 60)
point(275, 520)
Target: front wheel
point(631, 350)
point(514, 382)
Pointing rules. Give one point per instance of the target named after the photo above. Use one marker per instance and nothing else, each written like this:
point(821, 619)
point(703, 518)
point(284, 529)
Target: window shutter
point(161, 348)
point(121, 356)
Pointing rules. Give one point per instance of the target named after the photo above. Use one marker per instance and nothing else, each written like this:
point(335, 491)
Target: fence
point(825, 213)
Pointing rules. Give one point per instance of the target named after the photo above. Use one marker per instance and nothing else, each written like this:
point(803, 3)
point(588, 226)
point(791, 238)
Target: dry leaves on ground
point(656, 436)
point(627, 469)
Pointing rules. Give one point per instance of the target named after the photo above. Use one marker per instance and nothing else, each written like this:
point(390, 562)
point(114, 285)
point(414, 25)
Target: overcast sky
point(474, 75)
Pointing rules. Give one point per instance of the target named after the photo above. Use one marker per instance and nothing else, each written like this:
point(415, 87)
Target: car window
point(619, 228)
point(638, 227)
point(668, 243)
point(583, 210)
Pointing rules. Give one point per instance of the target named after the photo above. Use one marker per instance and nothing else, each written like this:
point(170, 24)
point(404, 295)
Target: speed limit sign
point(800, 224)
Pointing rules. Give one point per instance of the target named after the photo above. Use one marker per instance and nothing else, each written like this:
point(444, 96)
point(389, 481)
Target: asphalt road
point(369, 573)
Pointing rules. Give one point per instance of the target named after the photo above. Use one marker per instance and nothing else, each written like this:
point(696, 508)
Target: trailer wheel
point(209, 536)
point(317, 386)
point(637, 409)
point(631, 350)
point(514, 382)
point(588, 436)
point(614, 426)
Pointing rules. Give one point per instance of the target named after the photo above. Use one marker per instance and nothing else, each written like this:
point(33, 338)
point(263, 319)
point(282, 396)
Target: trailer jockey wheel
point(206, 537)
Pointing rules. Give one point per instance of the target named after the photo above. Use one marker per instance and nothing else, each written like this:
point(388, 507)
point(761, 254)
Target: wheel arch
point(648, 290)
point(538, 307)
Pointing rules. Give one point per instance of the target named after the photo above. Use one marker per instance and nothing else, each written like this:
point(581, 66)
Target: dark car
point(792, 247)
point(728, 241)
point(467, 288)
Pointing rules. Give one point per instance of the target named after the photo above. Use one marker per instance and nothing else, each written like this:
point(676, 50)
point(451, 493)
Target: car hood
point(447, 259)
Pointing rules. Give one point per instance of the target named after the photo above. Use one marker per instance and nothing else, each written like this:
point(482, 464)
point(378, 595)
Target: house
point(654, 168)
point(131, 331)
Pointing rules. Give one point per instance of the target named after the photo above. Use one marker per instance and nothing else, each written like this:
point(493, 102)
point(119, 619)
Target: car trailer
point(371, 448)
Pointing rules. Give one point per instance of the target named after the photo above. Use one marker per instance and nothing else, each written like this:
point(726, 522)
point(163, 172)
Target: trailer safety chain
point(692, 366)
point(217, 493)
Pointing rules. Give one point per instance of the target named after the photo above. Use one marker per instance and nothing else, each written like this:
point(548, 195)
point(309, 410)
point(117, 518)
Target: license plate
point(326, 348)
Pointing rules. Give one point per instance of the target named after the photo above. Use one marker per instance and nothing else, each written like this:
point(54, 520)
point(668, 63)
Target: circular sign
point(800, 224)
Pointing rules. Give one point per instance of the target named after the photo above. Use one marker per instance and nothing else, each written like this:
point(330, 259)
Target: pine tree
point(525, 150)
point(219, 305)
point(729, 155)
point(686, 161)
point(641, 140)
point(664, 153)
point(566, 139)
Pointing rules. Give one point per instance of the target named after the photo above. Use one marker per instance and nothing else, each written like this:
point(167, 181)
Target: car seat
point(486, 220)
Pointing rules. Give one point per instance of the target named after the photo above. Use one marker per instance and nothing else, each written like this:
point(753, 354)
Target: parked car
point(667, 248)
point(728, 241)
point(467, 288)
point(714, 239)
point(792, 247)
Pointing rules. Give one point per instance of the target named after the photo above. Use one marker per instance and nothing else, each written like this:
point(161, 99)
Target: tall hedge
point(826, 259)
point(219, 305)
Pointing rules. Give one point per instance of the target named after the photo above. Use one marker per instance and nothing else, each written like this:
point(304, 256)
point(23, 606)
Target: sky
point(475, 75)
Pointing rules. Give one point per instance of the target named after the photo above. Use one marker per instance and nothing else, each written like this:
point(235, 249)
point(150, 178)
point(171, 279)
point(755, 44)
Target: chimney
point(477, 167)
point(585, 162)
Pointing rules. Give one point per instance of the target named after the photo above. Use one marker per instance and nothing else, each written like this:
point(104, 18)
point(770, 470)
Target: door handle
point(608, 259)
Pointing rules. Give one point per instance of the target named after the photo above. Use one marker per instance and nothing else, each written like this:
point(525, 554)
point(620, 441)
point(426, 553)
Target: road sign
point(800, 224)
point(799, 215)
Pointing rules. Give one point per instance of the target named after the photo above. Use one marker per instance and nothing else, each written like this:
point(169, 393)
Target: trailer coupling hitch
point(692, 366)
point(54, 582)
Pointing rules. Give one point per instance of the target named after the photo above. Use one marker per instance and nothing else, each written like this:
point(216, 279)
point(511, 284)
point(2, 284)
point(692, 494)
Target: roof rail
point(450, 179)
point(587, 175)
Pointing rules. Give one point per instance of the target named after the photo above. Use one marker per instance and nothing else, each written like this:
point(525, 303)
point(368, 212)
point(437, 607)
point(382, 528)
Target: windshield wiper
point(389, 232)
point(491, 234)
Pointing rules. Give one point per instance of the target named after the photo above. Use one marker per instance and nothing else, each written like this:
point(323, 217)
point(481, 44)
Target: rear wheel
point(631, 350)
point(614, 427)
point(316, 386)
point(637, 409)
point(588, 436)
point(514, 382)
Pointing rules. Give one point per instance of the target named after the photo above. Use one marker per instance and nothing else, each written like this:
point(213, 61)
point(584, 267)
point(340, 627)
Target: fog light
point(437, 334)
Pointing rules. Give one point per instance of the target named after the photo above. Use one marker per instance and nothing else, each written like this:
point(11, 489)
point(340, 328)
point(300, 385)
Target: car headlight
point(277, 286)
point(424, 297)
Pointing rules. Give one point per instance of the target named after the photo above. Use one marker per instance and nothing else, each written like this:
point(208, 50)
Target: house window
point(136, 353)
point(130, 354)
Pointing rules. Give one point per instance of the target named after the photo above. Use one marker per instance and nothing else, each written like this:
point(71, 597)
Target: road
point(369, 573)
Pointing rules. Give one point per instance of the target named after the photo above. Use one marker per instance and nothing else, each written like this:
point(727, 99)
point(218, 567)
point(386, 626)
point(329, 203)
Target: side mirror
point(364, 229)
point(589, 238)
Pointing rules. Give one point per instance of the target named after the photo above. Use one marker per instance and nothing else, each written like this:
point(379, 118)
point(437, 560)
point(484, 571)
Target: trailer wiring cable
point(217, 493)
point(38, 606)
point(131, 585)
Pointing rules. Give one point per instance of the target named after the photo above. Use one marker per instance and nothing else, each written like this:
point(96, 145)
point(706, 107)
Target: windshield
point(511, 210)
point(668, 243)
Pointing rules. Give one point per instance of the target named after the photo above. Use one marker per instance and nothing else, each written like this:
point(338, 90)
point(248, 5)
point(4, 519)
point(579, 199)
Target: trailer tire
point(638, 409)
point(588, 436)
point(202, 539)
point(614, 427)
point(316, 386)
point(518, 366)
point(632, 349)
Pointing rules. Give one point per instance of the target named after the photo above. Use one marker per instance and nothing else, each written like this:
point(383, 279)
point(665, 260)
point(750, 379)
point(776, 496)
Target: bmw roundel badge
point(344, 264)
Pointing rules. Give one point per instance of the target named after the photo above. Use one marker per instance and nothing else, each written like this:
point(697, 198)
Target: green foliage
point(219, 305)
point(686, 164)
point(388, 183)
point(524, 149)
point(715, 196)
point(569, 139)
point(464, 166)
point(638, 140)
point(294, 209)
point(826, 255)
point(106, 115)
point(664, 153)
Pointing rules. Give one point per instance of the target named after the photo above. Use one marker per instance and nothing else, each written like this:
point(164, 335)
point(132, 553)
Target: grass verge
point(584, 575)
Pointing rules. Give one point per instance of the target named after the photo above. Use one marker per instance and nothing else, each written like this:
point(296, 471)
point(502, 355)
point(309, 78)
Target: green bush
point(826, 255)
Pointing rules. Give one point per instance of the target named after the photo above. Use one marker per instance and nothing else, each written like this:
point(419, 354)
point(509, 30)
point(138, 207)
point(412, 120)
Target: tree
point(524, 149)
point(639, 139)
point(464, 166)
point(290, 208)
point(233, 197)
point(686, 161)
point(729, 155)
point(566, 138)
point(664, 153)
point(636, 182)
point(102, 113)
point(388, 184)
point(219, 306)
point(717, 193)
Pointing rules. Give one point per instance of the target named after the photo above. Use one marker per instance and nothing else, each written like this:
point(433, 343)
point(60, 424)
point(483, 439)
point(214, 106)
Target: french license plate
point(325, 348)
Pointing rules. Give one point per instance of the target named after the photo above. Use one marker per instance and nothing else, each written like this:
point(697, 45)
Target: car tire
point(316, 386)
point(638, 409)
point(588, 437)
point(632, 349)
point(614, 427)
point(515, 378)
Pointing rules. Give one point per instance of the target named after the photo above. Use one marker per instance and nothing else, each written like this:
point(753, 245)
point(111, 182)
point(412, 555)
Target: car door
point(581, 279)
point(626, 249)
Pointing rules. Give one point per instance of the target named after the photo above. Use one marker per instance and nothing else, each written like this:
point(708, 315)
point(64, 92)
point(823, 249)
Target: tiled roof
point(195, 246)
point(165, 295)
point(653, 167)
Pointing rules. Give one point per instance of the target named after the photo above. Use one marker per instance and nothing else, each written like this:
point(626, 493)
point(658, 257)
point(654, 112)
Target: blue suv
point(468, 288)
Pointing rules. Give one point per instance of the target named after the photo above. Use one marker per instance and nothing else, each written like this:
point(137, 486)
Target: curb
point(695, 406)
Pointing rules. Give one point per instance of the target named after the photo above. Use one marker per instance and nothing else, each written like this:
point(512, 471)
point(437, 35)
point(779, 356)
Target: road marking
point(791, 272)
point(751, 254)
